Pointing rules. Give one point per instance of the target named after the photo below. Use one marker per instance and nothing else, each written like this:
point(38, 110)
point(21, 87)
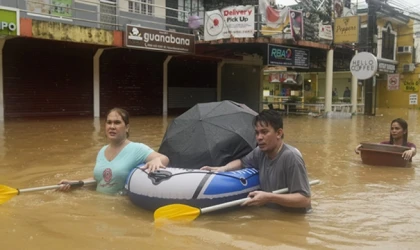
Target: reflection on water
point(354, 206)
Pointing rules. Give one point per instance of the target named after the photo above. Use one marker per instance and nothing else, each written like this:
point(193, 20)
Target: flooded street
point(355, 206)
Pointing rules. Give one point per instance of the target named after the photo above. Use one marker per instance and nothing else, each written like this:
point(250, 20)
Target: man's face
point(267, 138)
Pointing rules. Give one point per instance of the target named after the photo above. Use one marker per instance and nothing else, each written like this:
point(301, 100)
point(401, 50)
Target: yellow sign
point(346, 29)
point(411, 86)
point(71, 33)
point(270, 31)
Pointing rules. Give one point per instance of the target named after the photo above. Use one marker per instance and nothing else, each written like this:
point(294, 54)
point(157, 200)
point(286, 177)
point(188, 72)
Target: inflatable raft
point(192, 187)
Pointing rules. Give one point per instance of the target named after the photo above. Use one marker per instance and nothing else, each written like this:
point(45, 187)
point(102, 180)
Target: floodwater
point(355, 206)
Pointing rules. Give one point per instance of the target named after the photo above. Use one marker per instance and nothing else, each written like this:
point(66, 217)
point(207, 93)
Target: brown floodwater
point(355, 206)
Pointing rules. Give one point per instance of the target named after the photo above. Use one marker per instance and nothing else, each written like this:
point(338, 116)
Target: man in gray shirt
point(280, 166)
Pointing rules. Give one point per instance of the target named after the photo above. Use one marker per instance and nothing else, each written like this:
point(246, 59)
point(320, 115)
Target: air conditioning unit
point(408, 67)
point(405, 50)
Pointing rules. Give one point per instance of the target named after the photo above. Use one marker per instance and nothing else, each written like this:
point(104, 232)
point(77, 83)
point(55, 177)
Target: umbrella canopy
point(210, 134)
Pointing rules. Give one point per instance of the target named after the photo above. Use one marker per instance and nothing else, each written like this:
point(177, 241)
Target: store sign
point(411, 86)
point(413, 99)
point(363, 65)
point(151, 39)
point(385, 67)
point(9, 22)
point(288, 57)
point(325, 31)
point(346, 29)
point(233, 21)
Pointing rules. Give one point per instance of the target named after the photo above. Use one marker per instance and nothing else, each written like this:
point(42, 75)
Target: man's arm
point(299, 195)
point(247, 161)
point(295, 200)
point(231, 166)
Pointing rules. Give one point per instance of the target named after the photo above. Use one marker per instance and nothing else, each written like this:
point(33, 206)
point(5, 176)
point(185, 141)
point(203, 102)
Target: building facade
point(71, 57)
point(83, 57)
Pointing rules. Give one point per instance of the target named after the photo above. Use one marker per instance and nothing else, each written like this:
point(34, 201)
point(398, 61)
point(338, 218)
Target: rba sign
point(150, 39)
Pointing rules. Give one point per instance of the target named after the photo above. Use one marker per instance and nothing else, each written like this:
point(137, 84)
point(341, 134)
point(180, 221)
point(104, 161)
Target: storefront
point(282, 82)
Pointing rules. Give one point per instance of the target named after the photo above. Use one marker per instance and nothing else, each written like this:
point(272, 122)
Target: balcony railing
point(105, 14)
point(115, 15)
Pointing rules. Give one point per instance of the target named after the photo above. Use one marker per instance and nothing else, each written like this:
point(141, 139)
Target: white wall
point(158, 7)
point(340, 81)
point(160, 12)
point(416, 31)
point(92, 2)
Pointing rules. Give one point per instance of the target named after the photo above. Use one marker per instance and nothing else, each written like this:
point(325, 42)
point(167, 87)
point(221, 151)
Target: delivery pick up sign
point(234, 21)
point(363, 65)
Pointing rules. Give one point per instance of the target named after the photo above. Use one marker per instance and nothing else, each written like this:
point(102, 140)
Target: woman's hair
point(124, 115)
point(404, 126)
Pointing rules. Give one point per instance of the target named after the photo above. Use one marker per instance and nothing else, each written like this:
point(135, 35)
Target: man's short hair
point(269, 117)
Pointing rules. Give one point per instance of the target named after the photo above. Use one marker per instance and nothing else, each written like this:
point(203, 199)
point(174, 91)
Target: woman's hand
point(65, 185)
point(153, 165)
point(357, 149)
point(408, 154)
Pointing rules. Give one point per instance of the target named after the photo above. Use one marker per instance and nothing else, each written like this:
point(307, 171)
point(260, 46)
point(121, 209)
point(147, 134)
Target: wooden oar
point(7, 193)
point(181, 212)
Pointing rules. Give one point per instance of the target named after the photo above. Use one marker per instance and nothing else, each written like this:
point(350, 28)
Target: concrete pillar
point(2, 42)
point(219, 80)
point(96, 82)
point(164, 123)
point(96, 134)
point(2, 147)
point(261, 100)
point(329, 80)
point(354, 92)
point(165, 85)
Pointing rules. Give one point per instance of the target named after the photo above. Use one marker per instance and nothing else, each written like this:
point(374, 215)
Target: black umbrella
point(211, 134)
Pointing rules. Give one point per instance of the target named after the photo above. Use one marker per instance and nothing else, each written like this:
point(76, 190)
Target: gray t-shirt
point(286, 170)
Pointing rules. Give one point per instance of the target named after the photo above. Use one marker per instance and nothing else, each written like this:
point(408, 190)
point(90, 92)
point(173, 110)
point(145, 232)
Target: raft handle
point(159, 176)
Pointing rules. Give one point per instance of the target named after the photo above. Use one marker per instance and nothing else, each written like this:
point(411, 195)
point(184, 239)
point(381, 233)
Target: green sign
point(9, 22)
point(61, 8)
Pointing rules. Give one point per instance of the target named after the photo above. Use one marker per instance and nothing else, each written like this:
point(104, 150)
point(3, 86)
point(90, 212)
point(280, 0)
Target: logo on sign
point(215, 24)
point(279, 53)
point(363, 65)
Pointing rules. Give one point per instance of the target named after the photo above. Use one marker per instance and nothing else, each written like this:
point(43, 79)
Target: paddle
point(7, 193)
point(188, 213)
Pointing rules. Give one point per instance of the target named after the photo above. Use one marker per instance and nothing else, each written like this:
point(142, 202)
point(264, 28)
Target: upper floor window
point(187, 8)
point(144, 7)
point(54, 8)
point(389, 40)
